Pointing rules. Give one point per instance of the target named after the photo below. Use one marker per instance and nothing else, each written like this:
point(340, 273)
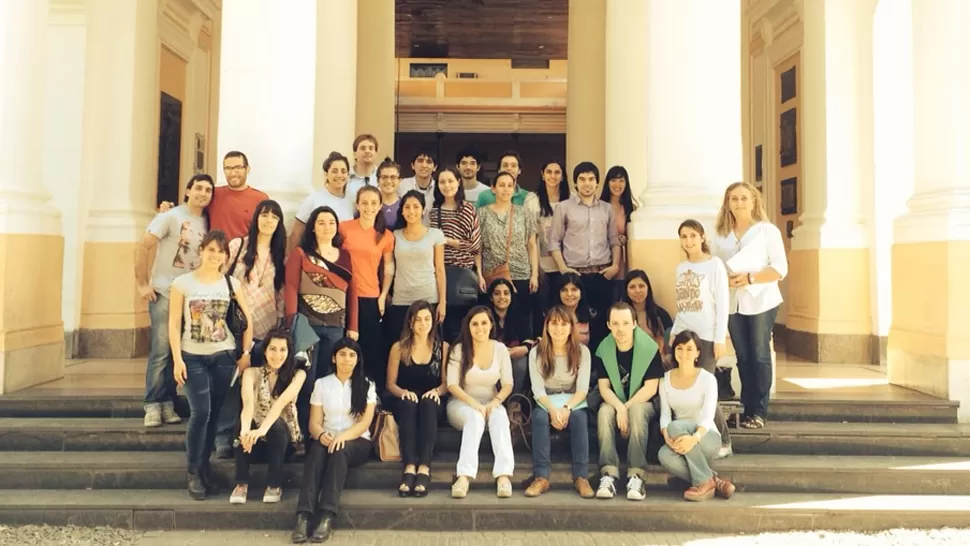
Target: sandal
point(753, 422)
point(406, 489)
point(421, 485)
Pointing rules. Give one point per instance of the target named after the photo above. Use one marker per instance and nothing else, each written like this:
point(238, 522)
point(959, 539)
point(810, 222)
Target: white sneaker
point(607, 488)
point(272, 494)
point(168, 414)
point(724, 451)
point(239, 495)
point(153, 416)
point(635, 489)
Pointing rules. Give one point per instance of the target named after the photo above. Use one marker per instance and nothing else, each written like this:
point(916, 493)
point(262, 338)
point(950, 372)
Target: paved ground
point(80, 536)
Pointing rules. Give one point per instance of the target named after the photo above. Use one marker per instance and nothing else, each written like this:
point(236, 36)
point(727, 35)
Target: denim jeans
point(695, 465)
point(578, 443)
point(751, 336)
point(232, 407)
point(206, 385)
point(160, 374)
point(639, 417)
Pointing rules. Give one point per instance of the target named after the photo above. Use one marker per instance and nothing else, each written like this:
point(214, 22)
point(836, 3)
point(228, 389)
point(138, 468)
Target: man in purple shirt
point(584, 240)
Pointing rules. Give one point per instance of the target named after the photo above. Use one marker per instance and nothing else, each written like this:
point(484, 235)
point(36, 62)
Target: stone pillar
point(335, 90)
point(585, 88)
point(376, 74)
point(929, 341)
point(31, 244)
point(693, 128)
point(267, 95)
point(626, 82)
point(829, 311)
point(118, 174)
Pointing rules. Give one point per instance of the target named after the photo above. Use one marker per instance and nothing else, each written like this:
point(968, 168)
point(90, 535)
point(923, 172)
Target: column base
point(113, 343)
point(29, 366)
point(114, 319)
point(659, 259)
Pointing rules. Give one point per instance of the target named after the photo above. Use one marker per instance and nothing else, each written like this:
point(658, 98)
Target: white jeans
point(472, 426)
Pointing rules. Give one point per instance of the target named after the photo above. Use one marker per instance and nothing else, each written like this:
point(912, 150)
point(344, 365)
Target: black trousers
point(525, 304)
point(454, 316)
point(370, 326)
point(417, 424)
point(325, 473)
point(271, 449)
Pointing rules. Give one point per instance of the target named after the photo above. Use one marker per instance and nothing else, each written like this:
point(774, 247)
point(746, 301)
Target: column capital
point(935, 216)
point(663, 209)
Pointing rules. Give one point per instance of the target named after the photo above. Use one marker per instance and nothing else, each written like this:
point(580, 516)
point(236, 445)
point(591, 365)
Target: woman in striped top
point(463, 241)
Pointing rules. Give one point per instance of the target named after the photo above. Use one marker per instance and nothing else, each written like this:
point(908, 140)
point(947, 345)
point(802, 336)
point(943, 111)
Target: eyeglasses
point(235, 168)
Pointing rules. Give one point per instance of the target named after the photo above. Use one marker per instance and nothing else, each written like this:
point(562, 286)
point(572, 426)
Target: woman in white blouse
point(341, 410)
point(477, 363)
point(688, 399)
point(752, 249)
point(702, 293)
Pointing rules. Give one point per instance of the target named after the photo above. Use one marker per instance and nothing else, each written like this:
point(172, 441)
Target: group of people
point(438, 297)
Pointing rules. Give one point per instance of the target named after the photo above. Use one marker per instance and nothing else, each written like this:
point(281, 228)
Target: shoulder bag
point(462, 283)
point(502, 271)
point(385, 437)
point(235, 319)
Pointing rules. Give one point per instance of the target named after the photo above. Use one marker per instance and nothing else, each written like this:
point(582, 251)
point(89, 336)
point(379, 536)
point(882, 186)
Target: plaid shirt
point(265, 302)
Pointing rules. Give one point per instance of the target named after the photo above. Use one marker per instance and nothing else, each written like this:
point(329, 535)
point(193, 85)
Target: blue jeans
point(160, 374)
point(578, 443)
point(232, 407)
point(206, 385)
point(751, 336)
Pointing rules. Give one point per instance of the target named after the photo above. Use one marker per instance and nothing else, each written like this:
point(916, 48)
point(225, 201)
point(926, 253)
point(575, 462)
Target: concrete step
point(482, 511)
point(832, 409)
point(762, 473)
point(794, 438)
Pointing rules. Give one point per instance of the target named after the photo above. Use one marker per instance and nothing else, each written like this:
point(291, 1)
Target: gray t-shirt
point(343, 206)
point(414, 277)
point(205, 331)
point(180, 235)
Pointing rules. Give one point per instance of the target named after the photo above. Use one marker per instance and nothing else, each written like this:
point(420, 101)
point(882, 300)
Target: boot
point(196, 487)
point(299, 534)
point(702, 492)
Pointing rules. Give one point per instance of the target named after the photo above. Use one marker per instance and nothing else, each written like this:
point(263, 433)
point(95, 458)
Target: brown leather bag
point(502, 271)
point(386, 438)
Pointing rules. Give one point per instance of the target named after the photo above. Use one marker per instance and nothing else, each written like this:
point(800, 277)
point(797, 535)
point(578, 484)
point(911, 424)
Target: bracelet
point(750, 279)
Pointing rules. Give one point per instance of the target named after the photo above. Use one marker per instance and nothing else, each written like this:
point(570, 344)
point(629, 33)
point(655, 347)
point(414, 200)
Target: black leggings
point(272, 448)
point(325, 473)
point(371, 330)
point(417, 424)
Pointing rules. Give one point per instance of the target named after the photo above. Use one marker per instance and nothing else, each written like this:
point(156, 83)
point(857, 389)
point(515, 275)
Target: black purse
point(235, 319)
point(461, 288)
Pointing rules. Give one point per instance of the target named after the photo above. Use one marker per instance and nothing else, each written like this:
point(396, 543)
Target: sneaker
point(724, 452)
point(168, 414)
point(607, 488)
point(635, 489)
point(153, 416)
point(239, 494)
point(272, 494)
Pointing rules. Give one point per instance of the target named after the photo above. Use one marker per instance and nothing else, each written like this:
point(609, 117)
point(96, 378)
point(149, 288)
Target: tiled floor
point(796, 379)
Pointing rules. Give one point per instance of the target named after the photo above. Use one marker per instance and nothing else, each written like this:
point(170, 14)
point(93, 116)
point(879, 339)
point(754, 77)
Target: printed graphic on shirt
point(688, 290)
point(208, 321)
point(187, 254)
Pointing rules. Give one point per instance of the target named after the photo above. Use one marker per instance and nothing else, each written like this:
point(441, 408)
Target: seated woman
point(475, 366)
point(688, 400)
point(268, 426)
point(341, 410)
point(512, 329)
point(651, 318)
point(559, 367)
point(416, 380)
point(570, 291)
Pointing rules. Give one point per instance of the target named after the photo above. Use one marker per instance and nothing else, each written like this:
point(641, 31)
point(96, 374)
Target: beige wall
point(172, 74)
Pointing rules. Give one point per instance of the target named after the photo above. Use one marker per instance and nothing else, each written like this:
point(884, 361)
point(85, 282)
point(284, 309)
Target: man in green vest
point(630, 368)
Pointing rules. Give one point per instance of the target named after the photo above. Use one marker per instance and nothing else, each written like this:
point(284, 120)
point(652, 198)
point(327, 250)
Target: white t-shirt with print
point(205, 331)
point(179, 235)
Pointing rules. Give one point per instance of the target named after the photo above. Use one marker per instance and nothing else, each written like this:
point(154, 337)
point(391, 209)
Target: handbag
point(461, 283)
point(502, 271)
point(387, 444)
point(235, 319)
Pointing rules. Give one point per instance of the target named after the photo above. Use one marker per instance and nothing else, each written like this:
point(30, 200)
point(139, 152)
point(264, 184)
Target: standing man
point(584, 240)
point(468, 163)
point(169, 248)
point(364, 172)
point(424, 166)
point(509, 162)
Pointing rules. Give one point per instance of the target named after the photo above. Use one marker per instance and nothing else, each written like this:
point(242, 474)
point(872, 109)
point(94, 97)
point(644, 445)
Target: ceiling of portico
point(482, 29)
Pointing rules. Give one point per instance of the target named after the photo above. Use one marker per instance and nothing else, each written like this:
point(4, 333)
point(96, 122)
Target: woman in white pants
point(476, 364)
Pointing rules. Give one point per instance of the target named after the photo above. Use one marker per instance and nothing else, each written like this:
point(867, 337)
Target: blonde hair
point(725, 218)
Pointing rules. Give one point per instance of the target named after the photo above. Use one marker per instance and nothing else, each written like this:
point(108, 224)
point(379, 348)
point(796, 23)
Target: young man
point(424, 166)
point(510, 162)
point(630, 369)
point(364, 172)
point(169, 248)
point(584, 240)
point(468, 163)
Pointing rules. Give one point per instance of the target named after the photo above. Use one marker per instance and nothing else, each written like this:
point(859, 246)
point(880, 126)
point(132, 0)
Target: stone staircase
point(819, 464)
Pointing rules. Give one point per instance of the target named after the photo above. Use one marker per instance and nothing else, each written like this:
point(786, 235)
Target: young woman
point(268, 425)
point(560, 370)
point(702, 306)
point(743, 229)
point(553, 190)
point(457, 219)
point(617, 193)
point(371, 247)
point(652, 318)
point(570, 292)
point(341, 411)
point(334, 195)
point(419, 264)
point(388, 181)
point(476, 365)
point(512, 330)
point(688, 399)
point(203, 350)
point(416, 380)
point(509, 239)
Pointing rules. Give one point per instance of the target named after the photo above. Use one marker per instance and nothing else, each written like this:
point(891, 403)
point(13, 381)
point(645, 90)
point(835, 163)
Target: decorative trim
point(66, 13)
point(937, 216)
point(175, 29)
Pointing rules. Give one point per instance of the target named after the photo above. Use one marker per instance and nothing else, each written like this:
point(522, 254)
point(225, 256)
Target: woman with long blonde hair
point(753, 250)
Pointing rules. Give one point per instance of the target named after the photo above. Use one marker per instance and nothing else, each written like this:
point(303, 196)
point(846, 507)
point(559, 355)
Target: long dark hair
point(406, 341)
point(309, 240)
point(582, 309)
point(380, 224)
point(413, 194)
point(545, 207)
point(359, 383)
point(439, 198)
point(277, 243)
point(626, 198)
point(514, 322)
point(650, 305)
point(288, 370)
point(465, 341)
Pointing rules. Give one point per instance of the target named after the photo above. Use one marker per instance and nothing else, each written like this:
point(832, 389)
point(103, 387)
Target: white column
point(24, 203)
point(693, 108)
point(120, 146)
point(266, 93)
point(376, 73)
point(837, 169)
point(334, 113)
point(586, 45)
point(626, 81)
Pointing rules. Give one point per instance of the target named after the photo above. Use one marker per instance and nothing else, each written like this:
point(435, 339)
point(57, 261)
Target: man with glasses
point(233, 205)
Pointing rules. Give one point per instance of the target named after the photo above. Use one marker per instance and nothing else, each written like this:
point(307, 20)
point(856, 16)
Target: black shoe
point(299, 534)
point(196, 487)
point(323, 529)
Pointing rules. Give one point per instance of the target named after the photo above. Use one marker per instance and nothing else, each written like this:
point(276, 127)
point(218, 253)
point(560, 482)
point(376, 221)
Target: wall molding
point(66, 13)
